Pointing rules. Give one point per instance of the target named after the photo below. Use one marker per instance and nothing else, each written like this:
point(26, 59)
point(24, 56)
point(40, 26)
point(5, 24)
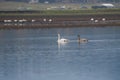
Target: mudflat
point(50, 21)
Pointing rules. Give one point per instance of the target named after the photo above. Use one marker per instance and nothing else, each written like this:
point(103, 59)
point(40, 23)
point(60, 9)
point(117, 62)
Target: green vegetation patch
point(63, 12)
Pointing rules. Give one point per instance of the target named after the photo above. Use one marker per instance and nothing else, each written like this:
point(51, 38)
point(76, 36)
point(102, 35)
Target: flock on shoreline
point(9, 21)
point(53, 22)
point(45, 20)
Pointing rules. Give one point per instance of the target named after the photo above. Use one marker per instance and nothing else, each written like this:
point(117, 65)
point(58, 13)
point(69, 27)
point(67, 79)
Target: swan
point(82, 40)
point(62, 40)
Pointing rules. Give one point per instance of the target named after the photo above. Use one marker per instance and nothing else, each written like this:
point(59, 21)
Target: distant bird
point(96, 21)
point(15, 20)
point(92, 19)
point(8, 21)
point(103, 19)
point(50, 20)
point(33, 20)
point(44, 19)
point(22, 20)
point(82, 40)
point(62, 40)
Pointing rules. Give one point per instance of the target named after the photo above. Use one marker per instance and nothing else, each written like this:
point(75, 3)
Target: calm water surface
point(33, 54)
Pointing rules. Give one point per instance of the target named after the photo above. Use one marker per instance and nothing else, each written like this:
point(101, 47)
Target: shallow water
point(34, 54)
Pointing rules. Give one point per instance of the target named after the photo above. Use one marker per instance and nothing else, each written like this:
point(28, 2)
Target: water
point(33, 54)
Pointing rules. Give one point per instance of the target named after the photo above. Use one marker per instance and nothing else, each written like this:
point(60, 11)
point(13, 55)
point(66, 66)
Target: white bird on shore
point(103, 19)
point(33, 20)
point(96, 21)
point(8, 21)
point(62, 40)
point(92, 19)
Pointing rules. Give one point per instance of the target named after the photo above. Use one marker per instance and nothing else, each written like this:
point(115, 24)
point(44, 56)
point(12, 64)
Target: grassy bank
point(63, 12)
point(83, 12)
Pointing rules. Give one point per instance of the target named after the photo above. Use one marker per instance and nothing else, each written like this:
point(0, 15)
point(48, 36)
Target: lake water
point(34, 54)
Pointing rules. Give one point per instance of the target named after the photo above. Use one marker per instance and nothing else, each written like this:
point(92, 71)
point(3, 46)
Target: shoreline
point(23, 26)
point(57, 21)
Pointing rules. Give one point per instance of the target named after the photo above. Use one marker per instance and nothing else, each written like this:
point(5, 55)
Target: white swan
point(62, 40)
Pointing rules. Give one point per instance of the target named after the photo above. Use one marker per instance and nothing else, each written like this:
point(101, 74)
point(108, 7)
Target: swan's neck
point(78, 37)
point(58, 36)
